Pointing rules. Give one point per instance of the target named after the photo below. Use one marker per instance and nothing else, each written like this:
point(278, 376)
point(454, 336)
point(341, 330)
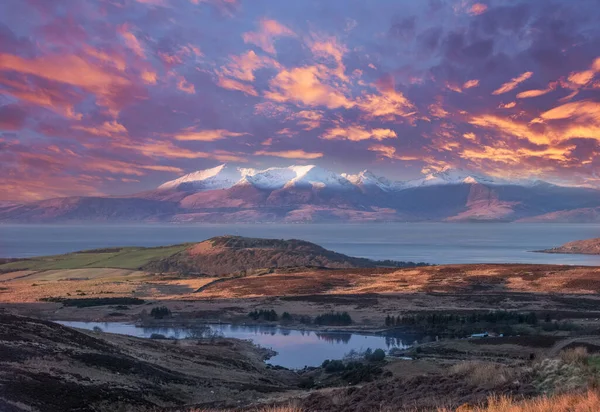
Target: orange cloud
point(508, 86)
point(454, 87)
point(231, 84)
point(160, 168)
point(131, 41)
point(165, 149)
point(508, 126)
point(471, 83)
point(389, 103)
point(107, 129)
point(267, 32)
point(477, 9)
point(537, 92)
point(330, 48)
point(242, 67)
point(185, 86)
point(390, 153)
point(437, 110)
point(581, 78)
point(508, 105)
point(49, 98)
point(206, 135)
point(309, 119)
point(358, 133)
point(290, 154)
point(304, 85)
point(71, 70)
point(111, 59)
point(149, 77)
point(584, 109)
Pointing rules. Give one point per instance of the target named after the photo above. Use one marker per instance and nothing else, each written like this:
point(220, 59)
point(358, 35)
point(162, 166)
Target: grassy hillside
point(214, 257)
point(123, 258)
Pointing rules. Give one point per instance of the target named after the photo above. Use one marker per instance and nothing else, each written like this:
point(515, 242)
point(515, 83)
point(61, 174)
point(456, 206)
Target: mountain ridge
point(312, 194)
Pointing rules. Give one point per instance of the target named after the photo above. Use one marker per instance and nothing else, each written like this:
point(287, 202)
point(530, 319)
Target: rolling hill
point(217, 256)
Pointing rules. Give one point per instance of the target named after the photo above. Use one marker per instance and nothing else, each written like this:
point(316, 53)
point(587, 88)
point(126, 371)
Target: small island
point(578, 247)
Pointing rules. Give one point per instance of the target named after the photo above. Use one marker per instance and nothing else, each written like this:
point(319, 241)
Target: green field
point(121, 258)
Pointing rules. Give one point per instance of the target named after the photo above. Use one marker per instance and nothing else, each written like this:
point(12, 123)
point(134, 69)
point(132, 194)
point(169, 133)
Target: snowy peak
point(317, 177)
point(367, 179)
point(450, 176)
point(220, 177)
point(310, 176)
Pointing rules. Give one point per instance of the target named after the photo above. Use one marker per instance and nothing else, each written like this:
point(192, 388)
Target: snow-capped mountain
point(226, 176)
point(221, 177)
point(231, 194)
point(450, 176)
point(367, 179)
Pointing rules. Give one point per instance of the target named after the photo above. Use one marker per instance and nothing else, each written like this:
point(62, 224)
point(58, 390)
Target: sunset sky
point(117, 96)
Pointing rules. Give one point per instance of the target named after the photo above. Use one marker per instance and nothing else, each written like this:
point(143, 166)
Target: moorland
point(541, 325)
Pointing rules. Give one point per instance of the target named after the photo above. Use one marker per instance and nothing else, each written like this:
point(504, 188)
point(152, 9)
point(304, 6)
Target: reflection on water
point(295, 348)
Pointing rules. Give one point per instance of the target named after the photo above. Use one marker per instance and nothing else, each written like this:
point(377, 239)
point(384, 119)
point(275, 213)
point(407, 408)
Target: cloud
point(290, 154)
point(390, 153)
point(508, 105)
point(537, 92)
point(132, 42)
point(71, 70)
point(231, 84)
point(308, 119)
point(106, 129)
point(149, 77)
point(510, 127)
point(508, 86)
point(12, 117)
point(206, 135)
point(267, 32)
point(185, 86)
point(242, 67)
point(358, 133)
point(471, 83)
point(477, 9)
point(585, 110)
point(388, 104)
point(330, 48)
point(305, 85)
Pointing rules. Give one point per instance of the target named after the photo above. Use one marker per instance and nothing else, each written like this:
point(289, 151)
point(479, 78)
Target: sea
point(436, 243)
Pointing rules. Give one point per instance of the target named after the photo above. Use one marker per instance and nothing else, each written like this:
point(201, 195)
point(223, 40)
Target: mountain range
point(228, 194)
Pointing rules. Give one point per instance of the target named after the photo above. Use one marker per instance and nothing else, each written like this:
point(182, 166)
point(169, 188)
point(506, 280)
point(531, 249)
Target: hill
point(217, 256)
point(580, 247)
point(49, 367)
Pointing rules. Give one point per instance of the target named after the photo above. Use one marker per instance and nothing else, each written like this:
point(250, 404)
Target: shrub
point(331, 366)
point(375, 356)
point(286, 317)
point(263, 314)
point(577, 355)
point(157, 336)
point(334, 319)
point(160, 312)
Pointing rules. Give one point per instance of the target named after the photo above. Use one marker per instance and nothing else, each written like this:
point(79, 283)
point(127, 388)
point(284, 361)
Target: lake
point(295, 348)
point(437, 243)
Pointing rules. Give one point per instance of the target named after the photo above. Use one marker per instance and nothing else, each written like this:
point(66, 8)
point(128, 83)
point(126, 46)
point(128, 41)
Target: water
point(438, 243)
point(295, 348)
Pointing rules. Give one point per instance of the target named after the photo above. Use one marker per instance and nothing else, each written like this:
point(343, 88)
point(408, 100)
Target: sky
point(101, 97)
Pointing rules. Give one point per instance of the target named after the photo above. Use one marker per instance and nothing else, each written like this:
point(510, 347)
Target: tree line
point(430, 319)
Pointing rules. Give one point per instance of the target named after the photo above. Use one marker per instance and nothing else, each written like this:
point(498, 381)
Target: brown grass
point(486, 374)
point(578, 355)
point(584, 402)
